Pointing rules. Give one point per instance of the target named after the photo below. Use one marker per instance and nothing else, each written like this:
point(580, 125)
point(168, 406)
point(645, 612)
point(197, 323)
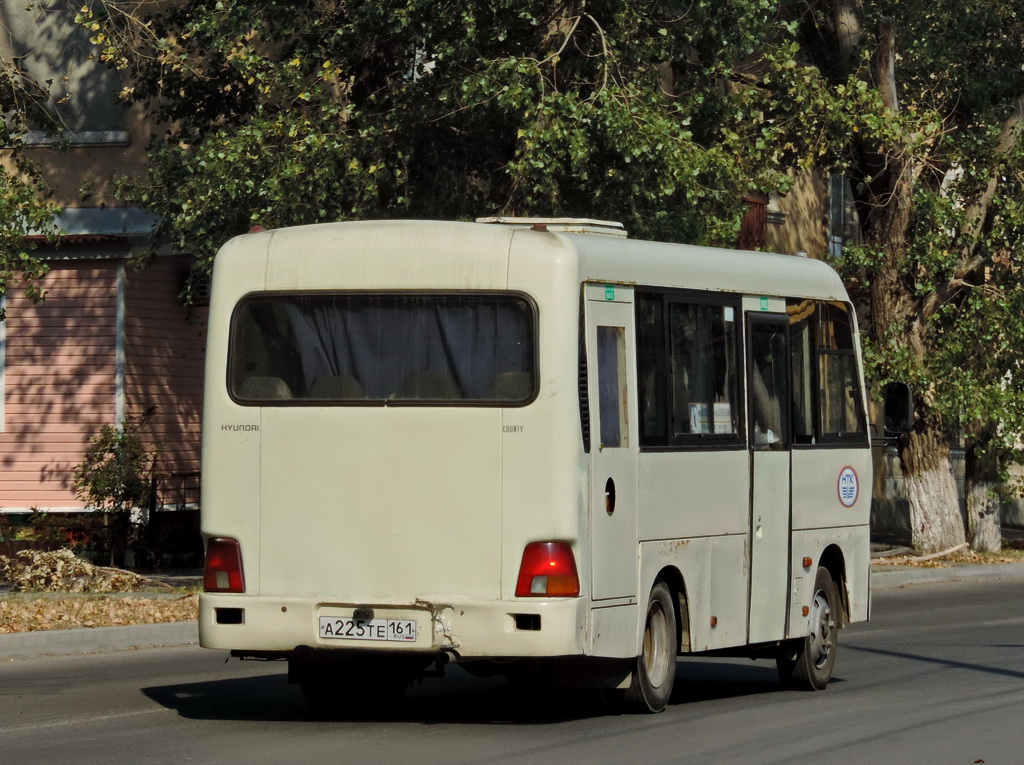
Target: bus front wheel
point(808, 662)
point(655, 670)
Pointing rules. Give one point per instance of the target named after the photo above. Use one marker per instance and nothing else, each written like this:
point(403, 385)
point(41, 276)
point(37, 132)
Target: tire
point(654, 670)
point(809, 663)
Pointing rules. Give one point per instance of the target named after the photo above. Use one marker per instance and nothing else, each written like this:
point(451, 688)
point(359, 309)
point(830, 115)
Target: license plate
point(385, 630)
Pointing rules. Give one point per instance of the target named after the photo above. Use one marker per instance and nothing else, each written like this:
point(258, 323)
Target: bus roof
point(426, 253)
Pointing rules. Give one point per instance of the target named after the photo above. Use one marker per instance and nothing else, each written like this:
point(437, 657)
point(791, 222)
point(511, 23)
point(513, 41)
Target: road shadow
point(945, 663)
point(457, 698)
point(711, 679)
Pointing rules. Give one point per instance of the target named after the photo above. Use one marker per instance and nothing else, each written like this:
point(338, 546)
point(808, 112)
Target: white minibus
point(528, 447)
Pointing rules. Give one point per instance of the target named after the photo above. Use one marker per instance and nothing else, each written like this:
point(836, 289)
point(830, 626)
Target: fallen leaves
point(63, 571)
point(21, 614)
point(957, 557)
point(89, 596)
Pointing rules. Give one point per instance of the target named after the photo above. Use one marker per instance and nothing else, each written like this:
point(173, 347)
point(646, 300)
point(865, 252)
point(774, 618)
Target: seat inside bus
point(426, 384)
point(265, 388)
point(337, 387)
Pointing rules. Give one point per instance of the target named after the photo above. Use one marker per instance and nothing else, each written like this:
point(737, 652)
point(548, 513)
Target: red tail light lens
point(548, 570)
point(223, 572)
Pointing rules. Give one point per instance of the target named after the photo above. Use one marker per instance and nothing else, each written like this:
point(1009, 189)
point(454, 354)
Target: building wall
point(63, 357)
point(102, 136)
point(59, 382)
point(81, 174)
point(164, 349)
point(806, 219)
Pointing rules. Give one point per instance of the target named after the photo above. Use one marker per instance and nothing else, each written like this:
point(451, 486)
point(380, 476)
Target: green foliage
point(57, 529)
point(25, 206)
point(113, 476)
point(959, 78)
point(660, 114)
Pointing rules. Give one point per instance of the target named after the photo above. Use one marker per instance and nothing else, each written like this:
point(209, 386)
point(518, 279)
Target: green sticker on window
point(764, 304)
point(609, 292)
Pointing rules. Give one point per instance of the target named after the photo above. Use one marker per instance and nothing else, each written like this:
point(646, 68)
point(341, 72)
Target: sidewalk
point(19, 645)
point(91, 640)
point(883, 577)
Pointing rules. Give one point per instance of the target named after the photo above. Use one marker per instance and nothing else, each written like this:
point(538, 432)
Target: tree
point(660, 114)
point(285, 112)
point(113, 478)
point(939, 180)
point(25, 199)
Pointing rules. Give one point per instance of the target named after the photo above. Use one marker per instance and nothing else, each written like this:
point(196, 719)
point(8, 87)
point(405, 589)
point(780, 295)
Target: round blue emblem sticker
point(848, 486)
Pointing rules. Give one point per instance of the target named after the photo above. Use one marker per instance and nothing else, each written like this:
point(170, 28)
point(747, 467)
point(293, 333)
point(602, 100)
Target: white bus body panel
point(408, 509)
point(425, 511)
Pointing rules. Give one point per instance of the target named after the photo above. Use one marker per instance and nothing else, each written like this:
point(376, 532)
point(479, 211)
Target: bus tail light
point(223, 572)
point(548, 570)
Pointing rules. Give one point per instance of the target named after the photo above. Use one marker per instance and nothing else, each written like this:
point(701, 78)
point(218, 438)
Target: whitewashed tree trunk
point(935, 519)
point(899, 313)
point(984, 530)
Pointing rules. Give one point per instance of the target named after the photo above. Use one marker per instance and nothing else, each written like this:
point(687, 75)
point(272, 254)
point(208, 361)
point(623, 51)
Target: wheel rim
point(656, 640)
point(823, 628)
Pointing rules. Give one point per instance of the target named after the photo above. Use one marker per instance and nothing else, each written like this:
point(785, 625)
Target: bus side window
point(826, 389)
point(768, 385)
point(688, 370)
point(802, 347)
point(611, 382)
point(653, 370)
point(841, 413)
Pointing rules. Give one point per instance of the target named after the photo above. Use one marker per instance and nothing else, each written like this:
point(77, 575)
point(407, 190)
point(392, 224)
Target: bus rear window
point(395, 348)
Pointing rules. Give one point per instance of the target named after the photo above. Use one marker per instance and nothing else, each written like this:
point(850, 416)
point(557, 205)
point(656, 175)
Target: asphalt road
point(935, 677)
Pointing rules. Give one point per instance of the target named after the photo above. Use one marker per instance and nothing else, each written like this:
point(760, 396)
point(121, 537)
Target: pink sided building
point(110, 341)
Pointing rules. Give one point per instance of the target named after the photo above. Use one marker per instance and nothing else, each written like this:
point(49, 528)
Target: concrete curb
point(90, 640)
point(883, 577)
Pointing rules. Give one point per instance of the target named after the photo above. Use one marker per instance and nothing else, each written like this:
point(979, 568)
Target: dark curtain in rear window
point(383, 348)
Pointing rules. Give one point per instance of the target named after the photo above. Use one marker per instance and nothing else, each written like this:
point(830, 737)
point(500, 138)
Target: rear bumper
point(465, 629)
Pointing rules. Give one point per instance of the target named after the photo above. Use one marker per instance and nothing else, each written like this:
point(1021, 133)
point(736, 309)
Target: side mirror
point(898, 408)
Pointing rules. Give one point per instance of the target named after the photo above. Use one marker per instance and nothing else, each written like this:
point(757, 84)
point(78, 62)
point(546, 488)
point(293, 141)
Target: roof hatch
point(562, 225)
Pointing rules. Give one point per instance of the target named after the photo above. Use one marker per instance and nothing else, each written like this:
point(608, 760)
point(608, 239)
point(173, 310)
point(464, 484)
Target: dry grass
point(1009, 555)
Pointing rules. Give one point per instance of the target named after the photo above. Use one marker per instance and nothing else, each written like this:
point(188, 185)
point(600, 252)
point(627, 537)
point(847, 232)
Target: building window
point(752, 225)
point(55, 53)
point(843, 225)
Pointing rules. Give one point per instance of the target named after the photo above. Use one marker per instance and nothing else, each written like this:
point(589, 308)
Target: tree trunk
point(898, 313)
point(935, 520)
point(896, 319)
point(984, 530)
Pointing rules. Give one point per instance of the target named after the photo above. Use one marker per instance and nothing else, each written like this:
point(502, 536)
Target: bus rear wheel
point(809, 662)
point(654, 672)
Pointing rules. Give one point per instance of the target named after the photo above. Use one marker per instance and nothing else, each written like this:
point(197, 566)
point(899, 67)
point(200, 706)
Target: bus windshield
point(396, 348)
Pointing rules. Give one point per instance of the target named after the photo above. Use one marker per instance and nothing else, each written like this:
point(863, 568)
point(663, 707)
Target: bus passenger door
point(768, 389)
point(611, 390)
